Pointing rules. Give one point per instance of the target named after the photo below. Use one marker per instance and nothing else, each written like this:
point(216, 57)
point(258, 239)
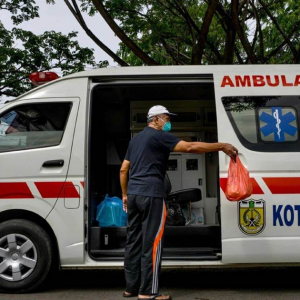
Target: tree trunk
point(122, 36)
point(77, 14)
point(198, 54)
point(240, 32)
point(229, 45)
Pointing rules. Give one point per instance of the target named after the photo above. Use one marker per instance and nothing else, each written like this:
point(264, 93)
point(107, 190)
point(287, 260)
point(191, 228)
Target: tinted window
point(268, 124)
point(33, 126)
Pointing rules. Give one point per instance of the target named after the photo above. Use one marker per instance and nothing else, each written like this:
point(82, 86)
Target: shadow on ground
point(216, 279)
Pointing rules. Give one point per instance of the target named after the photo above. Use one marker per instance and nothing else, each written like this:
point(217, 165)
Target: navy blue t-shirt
point(148, 153)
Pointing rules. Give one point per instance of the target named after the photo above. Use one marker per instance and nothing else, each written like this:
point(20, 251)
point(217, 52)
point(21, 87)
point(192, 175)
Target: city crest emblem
point(251, 216)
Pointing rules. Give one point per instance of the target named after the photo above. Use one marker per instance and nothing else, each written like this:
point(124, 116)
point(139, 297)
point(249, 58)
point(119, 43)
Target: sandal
point(129, 295)
point(153, 297)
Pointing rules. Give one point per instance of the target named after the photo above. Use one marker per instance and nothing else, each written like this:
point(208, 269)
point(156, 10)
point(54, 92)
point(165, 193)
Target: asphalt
point(194, 284)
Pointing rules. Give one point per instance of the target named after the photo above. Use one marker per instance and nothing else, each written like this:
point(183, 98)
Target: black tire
point(38, 258)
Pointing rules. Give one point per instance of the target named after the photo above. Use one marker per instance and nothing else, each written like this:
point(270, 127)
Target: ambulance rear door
point(258, 109)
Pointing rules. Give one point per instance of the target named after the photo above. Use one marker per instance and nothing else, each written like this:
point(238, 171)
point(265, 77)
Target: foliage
point(22, 52)
point(21, 10)
point(200, 31)
point(48, 51)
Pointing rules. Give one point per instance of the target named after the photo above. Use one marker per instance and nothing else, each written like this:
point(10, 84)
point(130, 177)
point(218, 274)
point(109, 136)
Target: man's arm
point(124, 181)
point(199, 147)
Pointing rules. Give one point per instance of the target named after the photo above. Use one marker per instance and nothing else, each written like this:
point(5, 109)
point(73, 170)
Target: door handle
point(53, 163)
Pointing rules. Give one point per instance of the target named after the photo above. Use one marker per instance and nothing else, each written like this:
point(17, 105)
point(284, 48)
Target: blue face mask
point(167, 126)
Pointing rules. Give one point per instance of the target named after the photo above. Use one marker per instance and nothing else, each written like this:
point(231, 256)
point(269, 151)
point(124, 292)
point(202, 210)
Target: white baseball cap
point(158, 110)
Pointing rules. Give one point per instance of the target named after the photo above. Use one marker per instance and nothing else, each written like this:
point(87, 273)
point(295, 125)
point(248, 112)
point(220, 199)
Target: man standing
point(143, 199)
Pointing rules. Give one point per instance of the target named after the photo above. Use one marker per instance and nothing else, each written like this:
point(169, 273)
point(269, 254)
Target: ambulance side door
point(258, 111)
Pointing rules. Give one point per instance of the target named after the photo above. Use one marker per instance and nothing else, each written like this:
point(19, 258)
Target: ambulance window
point(266, 123)
point(33, 126)
point(245, 120)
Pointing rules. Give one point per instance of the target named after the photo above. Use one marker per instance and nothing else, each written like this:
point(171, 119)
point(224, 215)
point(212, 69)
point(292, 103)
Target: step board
point(191, 254)
point(168, 254)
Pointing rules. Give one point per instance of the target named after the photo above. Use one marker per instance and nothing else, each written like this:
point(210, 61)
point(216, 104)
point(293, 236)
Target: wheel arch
point(35, 218)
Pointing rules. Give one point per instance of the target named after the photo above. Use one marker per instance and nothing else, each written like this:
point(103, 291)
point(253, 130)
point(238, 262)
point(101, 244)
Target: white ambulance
point(62, 145)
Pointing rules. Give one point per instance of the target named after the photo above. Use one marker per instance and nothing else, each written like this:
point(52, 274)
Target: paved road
point(262, 284)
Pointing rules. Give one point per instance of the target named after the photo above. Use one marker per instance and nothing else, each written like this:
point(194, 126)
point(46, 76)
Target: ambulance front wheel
point(25, 256)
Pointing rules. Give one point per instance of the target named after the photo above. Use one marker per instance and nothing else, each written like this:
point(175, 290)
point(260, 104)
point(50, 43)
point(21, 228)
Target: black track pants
point(146, 222)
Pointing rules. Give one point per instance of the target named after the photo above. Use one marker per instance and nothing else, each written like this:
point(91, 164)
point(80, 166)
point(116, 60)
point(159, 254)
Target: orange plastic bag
point(238, 185)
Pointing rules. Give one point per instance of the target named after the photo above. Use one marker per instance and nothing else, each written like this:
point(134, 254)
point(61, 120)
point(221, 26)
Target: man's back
point(148, 153)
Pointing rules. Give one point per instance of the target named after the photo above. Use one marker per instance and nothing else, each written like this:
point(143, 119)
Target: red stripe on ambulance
point(283, 185)
point(15, 190)
point(57, 189)
point(256, 188)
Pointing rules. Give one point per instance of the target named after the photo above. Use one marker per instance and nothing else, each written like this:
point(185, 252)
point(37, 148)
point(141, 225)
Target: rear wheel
point(25, 256)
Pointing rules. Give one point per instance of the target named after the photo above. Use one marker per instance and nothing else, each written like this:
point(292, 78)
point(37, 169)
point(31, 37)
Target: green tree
point(159, 32)
point(48, 51)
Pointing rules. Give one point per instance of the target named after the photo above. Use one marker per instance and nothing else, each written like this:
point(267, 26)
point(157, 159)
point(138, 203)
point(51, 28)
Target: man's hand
point(125, 203)
point(230, 150)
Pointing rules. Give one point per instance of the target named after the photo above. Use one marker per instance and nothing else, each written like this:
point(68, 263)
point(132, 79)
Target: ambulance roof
point(172, 71)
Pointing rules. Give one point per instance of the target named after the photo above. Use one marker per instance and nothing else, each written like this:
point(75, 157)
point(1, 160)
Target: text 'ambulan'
point(259, 81)
point(286, 216)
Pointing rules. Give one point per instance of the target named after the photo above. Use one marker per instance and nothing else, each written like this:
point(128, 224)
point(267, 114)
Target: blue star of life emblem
point(278, 124)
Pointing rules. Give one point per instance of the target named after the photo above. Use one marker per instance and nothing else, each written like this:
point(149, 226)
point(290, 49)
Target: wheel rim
point(18, 257)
